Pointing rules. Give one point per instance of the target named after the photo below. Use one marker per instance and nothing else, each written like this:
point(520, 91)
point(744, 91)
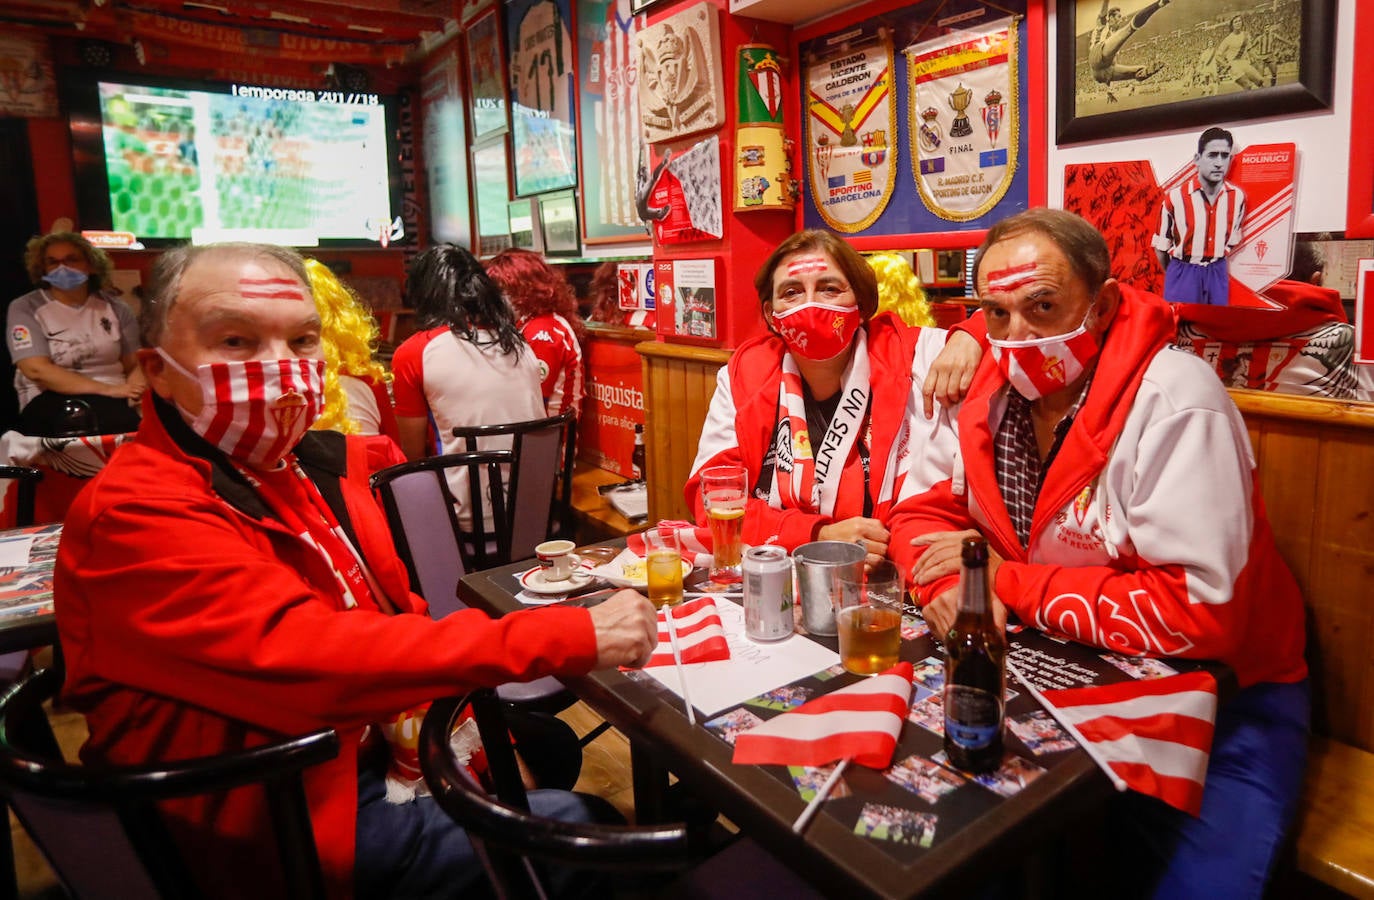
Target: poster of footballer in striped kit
point(541, 96)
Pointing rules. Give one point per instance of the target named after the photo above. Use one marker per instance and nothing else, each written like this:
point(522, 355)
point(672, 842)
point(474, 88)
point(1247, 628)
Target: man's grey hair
point(165, 281)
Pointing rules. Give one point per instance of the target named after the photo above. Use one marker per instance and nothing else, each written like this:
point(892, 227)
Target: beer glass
point(663, 566)
point(723, 493)
point(870, 619)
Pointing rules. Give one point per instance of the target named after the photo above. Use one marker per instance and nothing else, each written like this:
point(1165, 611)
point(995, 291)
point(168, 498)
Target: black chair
point(509, 839)
point(99, 827)
point(27, 478)
point(538, 499)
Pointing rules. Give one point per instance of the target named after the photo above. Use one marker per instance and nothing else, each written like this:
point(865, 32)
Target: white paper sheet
point(752, 669)
point(14, 552)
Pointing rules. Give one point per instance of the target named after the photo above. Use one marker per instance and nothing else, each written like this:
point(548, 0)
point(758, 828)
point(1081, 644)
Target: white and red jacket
point(560, 361)
point(1149, 535)
point(743, 418)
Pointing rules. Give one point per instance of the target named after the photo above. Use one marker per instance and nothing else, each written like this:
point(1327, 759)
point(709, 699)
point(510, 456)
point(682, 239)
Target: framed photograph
point(949, 267)
point(1137, 66)
point(490, 175)
point(543, 83)
point(1359, 210)
point(609, 137)
point(638, 6)
point(558, 224)
point(524, 224)
point(487, 74)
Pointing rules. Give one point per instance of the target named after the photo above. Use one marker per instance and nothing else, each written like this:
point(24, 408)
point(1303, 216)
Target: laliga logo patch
point(287, 410)
point(20, 338)
point(1053, 367)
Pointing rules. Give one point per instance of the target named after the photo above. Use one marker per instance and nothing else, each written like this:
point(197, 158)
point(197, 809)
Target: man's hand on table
point(944, 557)
point(626, 630)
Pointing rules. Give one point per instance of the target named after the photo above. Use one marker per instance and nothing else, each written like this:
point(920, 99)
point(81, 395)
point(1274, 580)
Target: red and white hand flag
point(859, 722)
point(1156, 735)
point(700, 634)
point(694, 542)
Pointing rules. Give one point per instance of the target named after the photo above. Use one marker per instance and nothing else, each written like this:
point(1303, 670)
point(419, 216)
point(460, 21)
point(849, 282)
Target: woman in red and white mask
point(832, 413)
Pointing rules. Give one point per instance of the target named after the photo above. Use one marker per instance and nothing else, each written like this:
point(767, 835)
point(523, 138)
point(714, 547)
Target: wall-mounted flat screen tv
point(170, 161)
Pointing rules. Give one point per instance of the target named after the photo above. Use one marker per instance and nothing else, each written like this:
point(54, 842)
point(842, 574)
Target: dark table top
point(950, 830)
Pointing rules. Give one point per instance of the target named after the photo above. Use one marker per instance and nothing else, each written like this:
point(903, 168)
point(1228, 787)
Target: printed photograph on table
point(491, 177)
point(1136, 66)
point(895, 824)
point(914, 123)
point(558, 224)
point(542, 79)
point(609, 135)
point(486, 74)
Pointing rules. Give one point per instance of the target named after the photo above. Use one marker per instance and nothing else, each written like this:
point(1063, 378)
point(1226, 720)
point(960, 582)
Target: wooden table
point(26, 616)
point(976, 831)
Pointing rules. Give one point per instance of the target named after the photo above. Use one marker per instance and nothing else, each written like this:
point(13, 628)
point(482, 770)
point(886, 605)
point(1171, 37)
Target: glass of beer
point(723, 493)
point(663, 566)
point(869, 619)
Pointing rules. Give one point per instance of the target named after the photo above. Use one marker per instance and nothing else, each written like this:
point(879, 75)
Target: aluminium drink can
point(767, 593)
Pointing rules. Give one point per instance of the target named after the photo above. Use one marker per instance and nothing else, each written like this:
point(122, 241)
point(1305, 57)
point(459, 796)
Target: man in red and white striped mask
point(1113, 479)
point(228, 577)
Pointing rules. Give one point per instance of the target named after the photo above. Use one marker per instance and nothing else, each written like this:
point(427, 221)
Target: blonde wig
point(349, 334)
point(899, 289)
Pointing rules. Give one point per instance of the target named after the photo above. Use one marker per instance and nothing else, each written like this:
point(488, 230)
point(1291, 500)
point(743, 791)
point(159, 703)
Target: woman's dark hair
point(856, 270)
point(447, 286)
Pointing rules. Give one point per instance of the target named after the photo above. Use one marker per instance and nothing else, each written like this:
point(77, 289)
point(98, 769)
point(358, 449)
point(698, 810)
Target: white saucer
point(534, 582)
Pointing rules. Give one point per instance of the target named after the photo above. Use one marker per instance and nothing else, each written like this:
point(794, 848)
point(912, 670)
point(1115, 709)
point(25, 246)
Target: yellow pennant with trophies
point(965, 120)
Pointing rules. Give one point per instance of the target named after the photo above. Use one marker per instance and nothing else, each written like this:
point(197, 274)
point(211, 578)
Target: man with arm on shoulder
point(1114, 481)
point(228, 577)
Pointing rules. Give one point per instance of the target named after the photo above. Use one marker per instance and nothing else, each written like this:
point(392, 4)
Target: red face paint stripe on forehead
point(1011, 277)
point(271, 289)
point(805, 265)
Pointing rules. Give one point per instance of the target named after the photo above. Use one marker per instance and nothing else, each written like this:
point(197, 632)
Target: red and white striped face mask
point(1041, 366)
point(255, 410)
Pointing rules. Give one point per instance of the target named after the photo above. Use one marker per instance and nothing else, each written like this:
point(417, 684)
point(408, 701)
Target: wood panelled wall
point(678, 383)
point(1316, 467)
point(1316, 471)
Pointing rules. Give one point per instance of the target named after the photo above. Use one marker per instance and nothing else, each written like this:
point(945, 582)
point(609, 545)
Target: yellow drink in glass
point(664, 575)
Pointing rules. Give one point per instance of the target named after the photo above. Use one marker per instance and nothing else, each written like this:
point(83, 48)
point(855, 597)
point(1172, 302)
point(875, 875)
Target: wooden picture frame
point(491, 195)
point(1180, 77)
point(558, 224)
point(486, 71)
point(1359, 210)
point(543, 81)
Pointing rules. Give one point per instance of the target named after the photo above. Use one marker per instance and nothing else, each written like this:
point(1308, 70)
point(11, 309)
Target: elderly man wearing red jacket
point(228, 577)
point(1114, 481)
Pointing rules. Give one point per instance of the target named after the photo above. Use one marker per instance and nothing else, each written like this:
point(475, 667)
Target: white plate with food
point(535, 582)
point(628, 570)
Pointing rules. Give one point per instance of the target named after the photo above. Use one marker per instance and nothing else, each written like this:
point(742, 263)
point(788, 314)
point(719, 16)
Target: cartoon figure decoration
point(680, 90)
point(763, 160)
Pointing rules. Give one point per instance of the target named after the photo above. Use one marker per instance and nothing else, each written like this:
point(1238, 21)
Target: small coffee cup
point(557, 559)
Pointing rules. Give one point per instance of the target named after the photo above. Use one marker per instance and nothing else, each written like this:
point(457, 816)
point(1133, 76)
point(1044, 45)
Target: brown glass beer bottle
point(975, 670)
